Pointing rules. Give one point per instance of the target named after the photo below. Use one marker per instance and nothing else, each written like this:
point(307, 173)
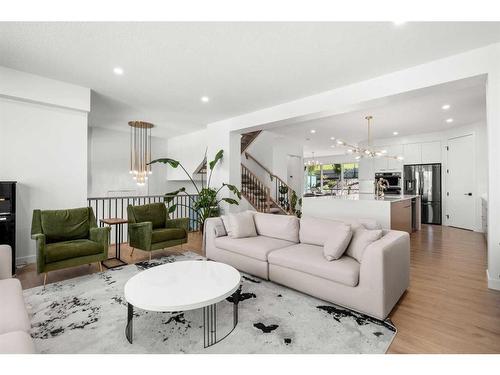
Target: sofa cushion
point(56, 252)
point(254, 247)
point(361, 238)
point(242, 225)
point(156, 213)
point(337, 242)
point(309, 259)
point(315, 231)
point(13, 315)
point(65, 225)
point(167, 234)
point(17, 342)
point(283, 227)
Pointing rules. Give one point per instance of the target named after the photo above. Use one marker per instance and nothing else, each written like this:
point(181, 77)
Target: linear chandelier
point(140, 150)
point(368, 151)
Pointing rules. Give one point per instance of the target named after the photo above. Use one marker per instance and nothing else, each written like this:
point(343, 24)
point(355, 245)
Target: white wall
point(109, 164)
point(190, 150)
point(476, 62)
point(43, 146)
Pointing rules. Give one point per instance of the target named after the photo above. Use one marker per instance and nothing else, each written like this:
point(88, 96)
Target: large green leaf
point(172, 208)
point(234, 190)
point(169, 197)
point(218, 156)
point(173, 163)
point(230, 200)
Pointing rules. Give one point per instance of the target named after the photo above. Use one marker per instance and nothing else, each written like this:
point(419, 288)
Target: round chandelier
point(140, 150)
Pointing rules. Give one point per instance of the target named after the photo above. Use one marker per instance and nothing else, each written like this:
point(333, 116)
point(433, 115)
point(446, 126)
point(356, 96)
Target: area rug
point(88, 315)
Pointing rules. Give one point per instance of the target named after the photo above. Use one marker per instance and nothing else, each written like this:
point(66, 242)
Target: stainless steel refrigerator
point(425, 180)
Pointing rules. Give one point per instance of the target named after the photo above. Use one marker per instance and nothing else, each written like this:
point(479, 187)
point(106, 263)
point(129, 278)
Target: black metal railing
point(116, 207)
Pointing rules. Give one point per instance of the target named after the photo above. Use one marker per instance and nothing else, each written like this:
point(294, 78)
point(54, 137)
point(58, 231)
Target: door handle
point(469, 194)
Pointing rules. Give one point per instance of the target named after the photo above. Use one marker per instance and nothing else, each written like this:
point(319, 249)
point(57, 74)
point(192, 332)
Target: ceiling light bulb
point(384, 151)
point(400, 158)
point(332, 138)
point(118, 71)
point(340, 142)
point(313, 131)
point(395, 133)
point(205, 99)
point(449, 120)
point(445, 107)
point(332, 146)
point(357, 157)
point(367, 152)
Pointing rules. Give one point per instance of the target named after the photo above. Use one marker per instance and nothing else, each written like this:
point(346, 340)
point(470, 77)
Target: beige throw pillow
point(337, 241)
point(241, 225)
point(361, 238)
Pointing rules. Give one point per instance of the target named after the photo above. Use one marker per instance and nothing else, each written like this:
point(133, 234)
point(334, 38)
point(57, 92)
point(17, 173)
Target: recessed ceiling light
point(383, 152)
point(332, 138)
point(395, 133)
point(313, 131)
point(398, 23)
point(449, 120)
point(340, 142)
point(332, 146)
point(445, 107)
point(205, 99)
point(118, 71)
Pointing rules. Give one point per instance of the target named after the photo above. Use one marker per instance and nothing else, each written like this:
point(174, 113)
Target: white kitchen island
point(398, 212)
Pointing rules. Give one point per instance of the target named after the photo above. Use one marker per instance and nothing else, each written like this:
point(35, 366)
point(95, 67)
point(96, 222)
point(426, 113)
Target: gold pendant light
point(140, 150)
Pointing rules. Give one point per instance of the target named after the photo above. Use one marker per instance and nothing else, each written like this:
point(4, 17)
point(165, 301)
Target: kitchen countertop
point(365, 197)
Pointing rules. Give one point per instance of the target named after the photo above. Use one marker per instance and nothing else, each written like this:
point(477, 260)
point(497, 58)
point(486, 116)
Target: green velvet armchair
point(150, 228)
point(68, 238)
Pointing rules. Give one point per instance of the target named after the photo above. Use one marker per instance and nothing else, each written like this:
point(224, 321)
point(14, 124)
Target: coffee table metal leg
point(210, 322)
point(129, 330)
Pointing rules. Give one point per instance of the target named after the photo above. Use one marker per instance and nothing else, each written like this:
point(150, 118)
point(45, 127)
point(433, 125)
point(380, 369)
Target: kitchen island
point(398, 212)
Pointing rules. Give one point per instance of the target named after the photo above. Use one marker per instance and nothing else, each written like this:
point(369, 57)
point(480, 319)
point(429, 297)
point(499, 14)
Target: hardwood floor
point(447, 309)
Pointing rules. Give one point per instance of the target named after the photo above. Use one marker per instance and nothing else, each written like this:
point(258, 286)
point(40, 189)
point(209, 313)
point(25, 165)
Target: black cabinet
point(8, 217)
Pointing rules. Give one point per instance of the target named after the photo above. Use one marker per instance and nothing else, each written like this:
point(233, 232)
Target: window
point(332, 178)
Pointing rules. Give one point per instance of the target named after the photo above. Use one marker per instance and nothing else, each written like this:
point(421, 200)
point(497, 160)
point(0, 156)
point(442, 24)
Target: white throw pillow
point(225, 221)
point(220, 230)
point(361, 238)
point(242, 225)
point(336, 243)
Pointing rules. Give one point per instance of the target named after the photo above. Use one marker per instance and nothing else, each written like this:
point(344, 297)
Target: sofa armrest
point(40, 250)
point(181, 223)
point(209, 234)
point(140, 235)
point(5, 262)
point(101, 236)
point(385, 268)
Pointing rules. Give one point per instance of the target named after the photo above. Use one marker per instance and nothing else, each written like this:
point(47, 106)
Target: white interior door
point(460, 182)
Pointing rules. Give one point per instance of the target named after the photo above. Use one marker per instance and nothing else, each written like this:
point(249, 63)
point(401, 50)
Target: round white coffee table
point(182, 286)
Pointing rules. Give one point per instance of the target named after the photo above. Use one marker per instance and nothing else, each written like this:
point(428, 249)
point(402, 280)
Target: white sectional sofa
point(290, 253)
point(14, 321)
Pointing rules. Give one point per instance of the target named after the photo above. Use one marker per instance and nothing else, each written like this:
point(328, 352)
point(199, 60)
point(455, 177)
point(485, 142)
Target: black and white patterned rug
point(88, 315)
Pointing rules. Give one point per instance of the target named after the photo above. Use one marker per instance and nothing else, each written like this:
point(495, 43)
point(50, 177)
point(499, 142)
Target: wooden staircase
point(257, 193)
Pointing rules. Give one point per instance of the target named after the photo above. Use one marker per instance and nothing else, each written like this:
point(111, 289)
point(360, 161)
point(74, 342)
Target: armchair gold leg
point(45, 278)
point(132, 252)
point(150, 255)
point(100, 266)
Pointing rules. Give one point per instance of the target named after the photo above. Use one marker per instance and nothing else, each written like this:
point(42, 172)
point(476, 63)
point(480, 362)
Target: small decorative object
point(140, 151)
point(207, 204)
point(380, 186)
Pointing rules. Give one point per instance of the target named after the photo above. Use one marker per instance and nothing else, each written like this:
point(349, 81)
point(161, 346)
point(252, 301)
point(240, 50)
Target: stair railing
point(255, 192)
point(281, 193)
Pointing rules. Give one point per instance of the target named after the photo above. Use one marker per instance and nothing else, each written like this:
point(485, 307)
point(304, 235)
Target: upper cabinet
point(431, 152)
point(412, 153)
point(383, 164)
point(422, 153)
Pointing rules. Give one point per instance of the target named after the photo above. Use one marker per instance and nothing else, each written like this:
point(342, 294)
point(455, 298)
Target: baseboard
point(492, 283)
point(26, 259)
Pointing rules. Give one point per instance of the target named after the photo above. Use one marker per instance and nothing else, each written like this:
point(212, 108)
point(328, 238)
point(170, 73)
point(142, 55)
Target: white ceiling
point(411, 113)
point(242, 67)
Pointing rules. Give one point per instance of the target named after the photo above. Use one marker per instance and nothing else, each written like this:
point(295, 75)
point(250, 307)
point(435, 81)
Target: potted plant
point(207, 204)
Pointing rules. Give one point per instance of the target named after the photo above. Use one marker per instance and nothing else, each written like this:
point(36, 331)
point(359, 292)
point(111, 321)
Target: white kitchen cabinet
point(394, 164)
point(380, 164)
point(412, 153)
point(431, 152)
